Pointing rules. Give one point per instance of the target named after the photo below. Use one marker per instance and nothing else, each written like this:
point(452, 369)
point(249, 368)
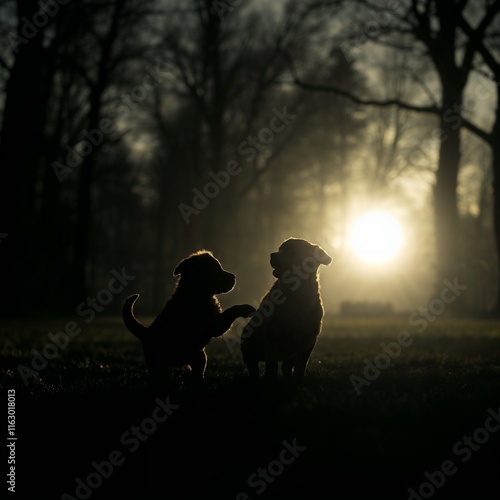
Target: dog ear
point(180, 267)
point(322, 256)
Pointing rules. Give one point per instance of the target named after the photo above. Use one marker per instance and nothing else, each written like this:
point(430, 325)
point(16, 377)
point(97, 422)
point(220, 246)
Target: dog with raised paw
point(288, 321)
point(191, 317)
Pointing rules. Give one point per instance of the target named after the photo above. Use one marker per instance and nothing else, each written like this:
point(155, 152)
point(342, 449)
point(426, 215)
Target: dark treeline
point(134, 132)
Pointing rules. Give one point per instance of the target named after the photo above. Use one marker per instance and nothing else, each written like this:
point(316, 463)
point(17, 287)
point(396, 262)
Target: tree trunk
point(495, 144)
point(445, 209)
point(445, 189)
point(453, 79)
point(83, 228)
point(22, 127)
point(84, 209)
point(163, 233)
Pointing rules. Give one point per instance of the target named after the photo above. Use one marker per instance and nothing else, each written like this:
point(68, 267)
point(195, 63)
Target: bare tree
point(62, 62)
point(21, 142)
point(436, 27)
point(490, 58)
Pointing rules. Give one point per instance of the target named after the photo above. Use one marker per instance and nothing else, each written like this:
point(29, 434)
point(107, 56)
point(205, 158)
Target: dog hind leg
point(198, 363)
point(300, 368)
point(251, 360)
point(287, 367)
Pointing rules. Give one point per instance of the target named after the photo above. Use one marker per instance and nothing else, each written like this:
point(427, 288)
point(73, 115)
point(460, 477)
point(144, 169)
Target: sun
point(376, 237)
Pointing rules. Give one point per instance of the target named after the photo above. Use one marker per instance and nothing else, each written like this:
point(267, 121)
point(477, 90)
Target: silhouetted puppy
point(190, 318)
point(288, 320)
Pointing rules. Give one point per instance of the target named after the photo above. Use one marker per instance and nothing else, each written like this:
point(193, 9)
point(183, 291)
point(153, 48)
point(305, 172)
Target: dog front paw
point(245, 310)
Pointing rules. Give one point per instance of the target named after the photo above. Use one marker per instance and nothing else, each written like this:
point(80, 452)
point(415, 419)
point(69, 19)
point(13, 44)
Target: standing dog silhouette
point(189, 319)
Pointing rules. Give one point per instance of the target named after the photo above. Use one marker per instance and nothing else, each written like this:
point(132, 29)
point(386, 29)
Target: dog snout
point(274, 259)
point(229, 281)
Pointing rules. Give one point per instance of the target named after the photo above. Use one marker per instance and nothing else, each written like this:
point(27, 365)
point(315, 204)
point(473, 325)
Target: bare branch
point(485, 136)
point(368, 102)
point(423, 84)
point(476, 38)
point(433, 109)
point(476, 41)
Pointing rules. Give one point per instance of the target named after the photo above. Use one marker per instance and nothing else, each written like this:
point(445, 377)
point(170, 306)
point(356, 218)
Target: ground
point(426, 413)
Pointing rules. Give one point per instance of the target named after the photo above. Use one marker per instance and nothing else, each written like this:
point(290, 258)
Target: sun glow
point(376, 237)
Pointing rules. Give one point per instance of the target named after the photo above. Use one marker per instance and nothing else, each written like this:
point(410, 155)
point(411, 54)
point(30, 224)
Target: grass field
point(320, 440)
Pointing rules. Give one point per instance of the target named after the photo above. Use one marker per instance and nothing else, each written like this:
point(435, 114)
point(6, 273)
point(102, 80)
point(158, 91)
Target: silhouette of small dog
point(189, 319)
point(288, 320)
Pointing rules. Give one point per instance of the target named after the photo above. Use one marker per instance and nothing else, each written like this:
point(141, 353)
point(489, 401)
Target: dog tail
point(129, 319)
